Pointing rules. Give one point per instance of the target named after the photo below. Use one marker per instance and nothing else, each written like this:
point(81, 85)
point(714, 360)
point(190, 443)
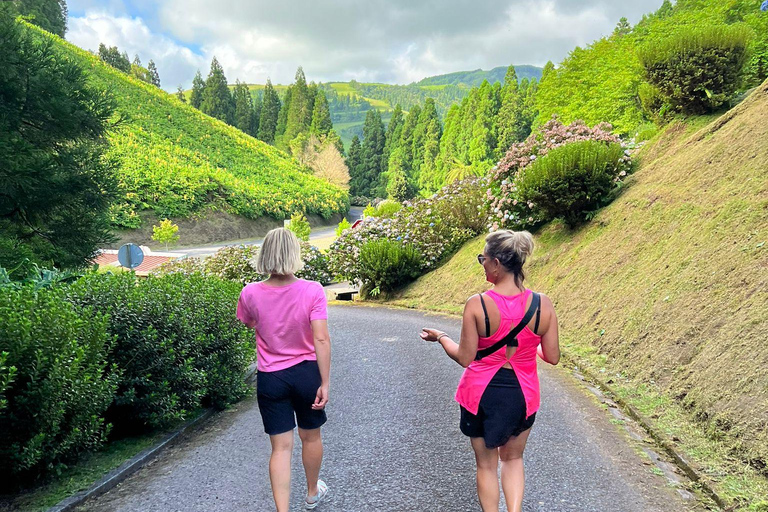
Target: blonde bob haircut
point(280, 253)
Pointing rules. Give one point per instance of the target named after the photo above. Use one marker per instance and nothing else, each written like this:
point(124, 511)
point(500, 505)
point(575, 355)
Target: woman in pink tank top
point(502, 332)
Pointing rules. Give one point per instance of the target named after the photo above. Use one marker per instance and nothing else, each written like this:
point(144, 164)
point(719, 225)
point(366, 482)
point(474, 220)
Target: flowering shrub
point(238, 263)
point(300, 226)
point(436, 227)
point(507, 208)
point(571, 181)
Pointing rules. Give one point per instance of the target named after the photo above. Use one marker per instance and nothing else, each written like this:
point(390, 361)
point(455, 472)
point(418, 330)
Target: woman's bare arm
point(323, 350)
point(550, 339)
point(464, 351)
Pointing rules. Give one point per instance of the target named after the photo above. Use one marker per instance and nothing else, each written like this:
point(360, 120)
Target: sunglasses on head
point(481, 259)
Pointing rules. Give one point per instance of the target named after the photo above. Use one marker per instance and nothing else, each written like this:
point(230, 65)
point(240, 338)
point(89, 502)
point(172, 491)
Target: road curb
point(127, 468)
point(689, 469)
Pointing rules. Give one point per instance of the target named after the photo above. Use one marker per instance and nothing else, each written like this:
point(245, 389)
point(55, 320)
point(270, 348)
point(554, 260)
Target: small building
point(108, 258)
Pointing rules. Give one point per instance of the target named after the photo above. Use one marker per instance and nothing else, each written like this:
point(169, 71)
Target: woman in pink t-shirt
point(499, 390)
point(294, 359)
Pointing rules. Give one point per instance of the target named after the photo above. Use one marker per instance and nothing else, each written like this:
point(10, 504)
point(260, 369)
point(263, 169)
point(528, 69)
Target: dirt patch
point(211, 227)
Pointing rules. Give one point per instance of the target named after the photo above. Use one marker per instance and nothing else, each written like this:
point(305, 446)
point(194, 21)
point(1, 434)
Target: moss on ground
point(666, 291)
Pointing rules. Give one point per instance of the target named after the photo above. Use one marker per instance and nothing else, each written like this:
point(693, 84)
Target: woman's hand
point(321, 400)
point(428, 334)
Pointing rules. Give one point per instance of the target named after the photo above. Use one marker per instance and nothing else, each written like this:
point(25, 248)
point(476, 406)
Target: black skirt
point(502, 411)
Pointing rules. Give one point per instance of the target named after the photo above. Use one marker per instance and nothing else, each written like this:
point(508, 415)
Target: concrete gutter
point(126, 469)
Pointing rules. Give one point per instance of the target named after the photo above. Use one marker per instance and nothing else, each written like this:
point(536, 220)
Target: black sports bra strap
point(487, 321)
point(510, 339)
point(538, 316)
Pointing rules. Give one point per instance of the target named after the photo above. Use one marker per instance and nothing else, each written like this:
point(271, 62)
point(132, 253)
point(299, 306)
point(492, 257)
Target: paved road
point(354, 213)
point(393, 442)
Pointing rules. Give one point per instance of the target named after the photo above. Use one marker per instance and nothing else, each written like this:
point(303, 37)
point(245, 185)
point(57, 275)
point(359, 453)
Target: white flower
point(533, 157)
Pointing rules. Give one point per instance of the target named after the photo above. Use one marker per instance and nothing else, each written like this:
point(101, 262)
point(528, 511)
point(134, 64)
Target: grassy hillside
point(476, 77)
point(668, 286)
point(177, 161)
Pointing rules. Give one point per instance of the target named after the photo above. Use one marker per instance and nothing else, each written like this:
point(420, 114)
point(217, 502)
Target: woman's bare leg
point(487, 475)
point(280, 469)
point(512, 472)
point(311, 457)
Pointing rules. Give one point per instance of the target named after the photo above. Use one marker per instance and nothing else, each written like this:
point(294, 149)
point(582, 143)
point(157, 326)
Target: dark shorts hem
point(285, 398)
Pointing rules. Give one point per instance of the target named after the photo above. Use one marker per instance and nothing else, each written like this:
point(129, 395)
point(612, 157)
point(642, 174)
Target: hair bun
point(522, 242)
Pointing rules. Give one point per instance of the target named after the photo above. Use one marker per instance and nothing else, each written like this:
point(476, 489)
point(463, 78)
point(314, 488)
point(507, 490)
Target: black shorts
point(501, 414)
point(283, 393)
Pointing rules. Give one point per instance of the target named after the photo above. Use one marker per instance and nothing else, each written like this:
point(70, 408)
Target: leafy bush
point(572, 180)
point(387, 208)
point(179, 345)
point(655, 105)
point(300, 226)
point(436, 227)
point(698, 69)
point(386, 264)
point(508, 208)
point(343, 225)
point(55, 382)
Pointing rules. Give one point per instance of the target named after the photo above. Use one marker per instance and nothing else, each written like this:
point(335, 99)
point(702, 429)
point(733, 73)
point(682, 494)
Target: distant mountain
point(476, 77)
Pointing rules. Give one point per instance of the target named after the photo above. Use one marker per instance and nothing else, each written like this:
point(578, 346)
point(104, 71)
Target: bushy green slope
point(669, 284)
point(177, 161)
point(600, 82)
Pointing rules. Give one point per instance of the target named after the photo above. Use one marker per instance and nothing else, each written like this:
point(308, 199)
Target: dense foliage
point(50, 15)
point(508, 208)
point(178, 345)
point(177, 161)
point(600, 83)
point(436, 227)
point(57, 184)
point(698, 70)
point(385, 265)
point(55, 382)
point(572, 180)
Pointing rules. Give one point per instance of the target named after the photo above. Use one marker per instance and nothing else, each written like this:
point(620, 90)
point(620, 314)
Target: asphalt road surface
point(392, 441)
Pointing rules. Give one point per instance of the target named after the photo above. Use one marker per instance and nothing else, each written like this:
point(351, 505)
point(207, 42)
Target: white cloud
point(396, 41)
point(176, 63)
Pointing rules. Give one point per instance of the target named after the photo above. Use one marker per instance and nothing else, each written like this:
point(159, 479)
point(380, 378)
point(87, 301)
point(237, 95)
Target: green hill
point(476, 77)
point(177, 162)
point(665, 292)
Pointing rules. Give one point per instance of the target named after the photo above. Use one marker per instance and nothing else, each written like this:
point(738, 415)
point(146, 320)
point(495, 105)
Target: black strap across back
point(510, 340)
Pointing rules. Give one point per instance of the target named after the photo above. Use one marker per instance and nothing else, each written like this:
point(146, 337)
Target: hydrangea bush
point(507, 208)
point(436, 227)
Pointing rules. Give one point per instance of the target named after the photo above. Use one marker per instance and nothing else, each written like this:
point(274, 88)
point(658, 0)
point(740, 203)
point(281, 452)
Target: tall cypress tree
point(50, 15)
point(509, 113)
point(299, 112)
point(198, 86)
point(406, 138)
point(449, 153)
point(270, 109)
point(427, 115)
point(256, 100)
point(282, 118)
point(394, 131)
point(373, 150)
point(354, 161)
point(482, 144)
point(217, 100)
point(154, 76)
point(243, 117)
point(321, 116)
point(428, 177)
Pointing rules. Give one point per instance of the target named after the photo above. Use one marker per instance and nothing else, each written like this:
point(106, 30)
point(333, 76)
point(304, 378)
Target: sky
point(388, 41)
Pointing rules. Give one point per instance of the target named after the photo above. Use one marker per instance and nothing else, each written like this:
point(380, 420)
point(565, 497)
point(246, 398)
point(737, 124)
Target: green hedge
point(572, 180)
point(55, 381)
point(386, 264)
point(179, 345)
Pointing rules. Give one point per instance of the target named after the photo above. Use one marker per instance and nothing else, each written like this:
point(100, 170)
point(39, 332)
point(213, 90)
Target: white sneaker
point(322, 490)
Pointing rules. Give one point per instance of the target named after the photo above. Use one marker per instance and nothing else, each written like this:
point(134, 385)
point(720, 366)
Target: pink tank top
point(479, 373)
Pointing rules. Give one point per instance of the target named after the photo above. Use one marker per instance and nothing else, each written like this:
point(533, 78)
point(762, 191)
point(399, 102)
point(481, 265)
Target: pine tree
point(243, 116)
point(136, 60)
point(448, 145)
point(56, 186)
point(50, 15)
point(397, 186)
point(256, 100)
point(198, 86)
point(427, 115)
point(354, 161)
point(180, 94)
point(622, 27)
point(270, 109)
point(217, 100)
point(509, 113)
point(482, 144)
point(373, 150)
point(406, 137)
point(114, 58)
point(394, 131)
point(282, 118)
point(548, 68)
point(322, 125)
point(299, 111)
point(154, 76)
point(428, 177)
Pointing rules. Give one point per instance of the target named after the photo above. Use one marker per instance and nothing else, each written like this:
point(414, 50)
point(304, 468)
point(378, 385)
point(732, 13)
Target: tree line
point(417, 154)
point(119, 60)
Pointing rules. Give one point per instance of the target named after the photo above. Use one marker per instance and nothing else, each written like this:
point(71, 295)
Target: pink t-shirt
point(479, 373)
point(281, 316)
